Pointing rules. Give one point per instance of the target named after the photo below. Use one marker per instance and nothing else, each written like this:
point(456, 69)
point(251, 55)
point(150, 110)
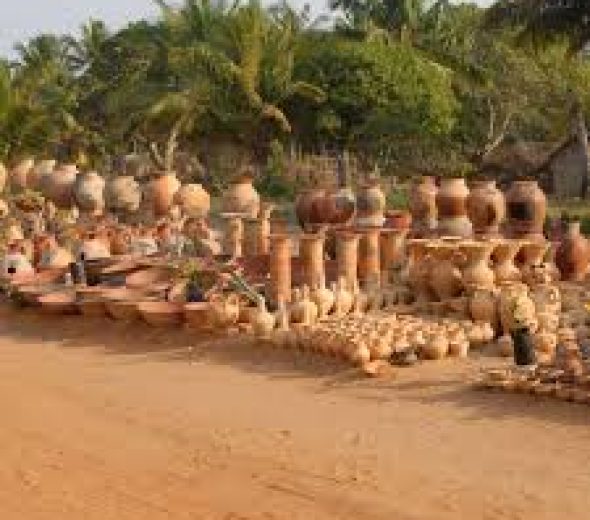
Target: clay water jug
point(193, 200)
point(423, 206)
point(451, 200)
point(526, 206)
point(486, 208)
point(89, 192)
point(573, 255)
point(163, 189)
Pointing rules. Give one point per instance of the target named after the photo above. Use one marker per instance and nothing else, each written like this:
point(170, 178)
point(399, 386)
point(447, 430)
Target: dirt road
point(102, 421)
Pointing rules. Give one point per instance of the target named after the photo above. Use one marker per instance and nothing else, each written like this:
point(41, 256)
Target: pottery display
point(193, 200)
point(423, 206)
point(38, 172)
point(59, 185)
point(573, 254)
point(162, 192)
point(370, 203)
point(451, 200)
point(526, 207)
point(241, 197)
point(445, 277)
point(486, 208)
point(89, 192)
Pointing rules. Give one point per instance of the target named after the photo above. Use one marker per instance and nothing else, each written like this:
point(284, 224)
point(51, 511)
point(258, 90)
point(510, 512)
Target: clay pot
point(262, 321)
point(308, 206)
point(89, 192)
point(483, 306)
point(39, 171)
point(19, 174)
point(123, 194)
point(193, 200)
point(59, 185)
point(532, 254)
point(347, 250)
point(162, 192)
point(324, 299)
point(526, 209)
point(398, 220)
point(504, 254)
point(339, 206)
point(477, 274)
point(419, 268)
point(371, 202)
point(3, 177)
point(241, 197)
point(161, 314)
point(224, 311)
point(486, 208)
point(369, 255)
point(573, 255)
point(436, 347)
point(423, 206)
point(451, 201)
point(303, 309)
point(445, 277)
point(343, 298)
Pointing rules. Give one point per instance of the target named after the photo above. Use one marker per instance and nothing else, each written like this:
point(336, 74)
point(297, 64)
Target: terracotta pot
point(262, 321)
point(532, 254)
point(398, 220)
point(123, 194)
point(162, 192)
point(445, 276)
point(223, 311)
point(38, 172)
point(306, 207)
point(233, 235)
point(3, 177)
point(339, 205)
point(89, 192)
point(483, 307)
point(241, 197)
point(573, 255)
point(423, 206)
point(161, 314)
point(451, 206)
point(197, 315)
point(477, 273)
point(59, 186)
point(504, 255)
point(486, 208)
point(193, 200)
point(436, 347)
point(526, 209)
point(419, 269)
point(19, 174)
point(509, 294)
point(370, 202)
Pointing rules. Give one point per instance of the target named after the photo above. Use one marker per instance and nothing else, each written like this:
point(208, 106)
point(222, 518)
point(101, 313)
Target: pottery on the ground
point(486, 208)
point(573, 255)
point(436, 346)
point(451, 206)
point(526, 209)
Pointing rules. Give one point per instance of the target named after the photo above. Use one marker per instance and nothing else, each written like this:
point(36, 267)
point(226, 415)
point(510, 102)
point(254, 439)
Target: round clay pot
point(340, 205)
point(477, 274)
point(89, 192)
point(504, 255)
point(59, 185)
point(483, 306)
point(162, 192)
point(573, 255)
point(445, 277)
point(161, 314)
point(19, 174)
point(371, 202)
point(307, 207)
point(451, 201)
point(423, 206)
point(193, 200)
point(486, 208)
point(436, 347)
point(241, 197)
point(526, 209)
point(39, 171)
point(123, 194)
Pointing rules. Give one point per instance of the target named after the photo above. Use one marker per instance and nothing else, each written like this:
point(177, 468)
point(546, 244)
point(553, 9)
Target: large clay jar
point(451, 202)
point(307, 207)
point(123, 194)
point(477, 273)
point(504, 254)
point(89, 192)
point(486, 208)
point(241, 197)
point(193, 200)
point(163, 189)
point(20, 173)
point(423, 206)
point(573, 255)
point(59, 186)
point(3, 177)
point(483, 306)
point(445, 276)
point(340, 205)
point(526, 209)
point(371, 203)
point(40, 170)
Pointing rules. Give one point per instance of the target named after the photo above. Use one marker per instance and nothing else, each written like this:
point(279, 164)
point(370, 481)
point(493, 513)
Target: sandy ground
point(103, 421)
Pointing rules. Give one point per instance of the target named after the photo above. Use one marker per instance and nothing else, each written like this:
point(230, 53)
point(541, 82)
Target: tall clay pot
point(423, 206)
point(573, 255)
point(486, 208)
point(163, 189)
point(89, 192)
point(451, 202)
point(371, 203)
point(504, 255)
point(193, 200)
point(477, 273)
point(526, 209)
point(242, 197)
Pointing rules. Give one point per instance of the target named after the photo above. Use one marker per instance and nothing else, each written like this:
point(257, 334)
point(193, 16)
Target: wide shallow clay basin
point(161, 314)
point(197, 315)
point(147, 278)
point(58, 303)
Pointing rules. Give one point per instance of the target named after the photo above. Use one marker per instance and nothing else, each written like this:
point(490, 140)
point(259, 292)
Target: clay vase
point(477, 274)
point(423, 207)
point(193, 200)
point(436, 346)
point(89, 192)
point(526, 210)
point(123, 195)
point(40, 170)
point(241, 197)
point(445, 277)
point(370, 203)
point(19, 174)
point(573, 255)
point(262, 321)
point(324, 299)
point(483, 307)
point(486, 208)
point(504, 254)
point(307, 207)
point(163, 189)
point(3, 177)
point(59, 186)
point(532, 254)
point(451, 200)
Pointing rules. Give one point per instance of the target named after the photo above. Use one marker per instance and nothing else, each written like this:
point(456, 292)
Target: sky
point(21, 19)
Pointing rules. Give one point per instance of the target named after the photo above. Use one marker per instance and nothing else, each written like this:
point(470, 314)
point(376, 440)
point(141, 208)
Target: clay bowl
point(58, 303)
point(196, 315)
point(161, 314)
point(148, 277)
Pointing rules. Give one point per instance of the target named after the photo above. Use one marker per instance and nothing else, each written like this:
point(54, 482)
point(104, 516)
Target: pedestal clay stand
point(347, 247)
point(279, 285)
point(369, 257)
point(311, 252)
